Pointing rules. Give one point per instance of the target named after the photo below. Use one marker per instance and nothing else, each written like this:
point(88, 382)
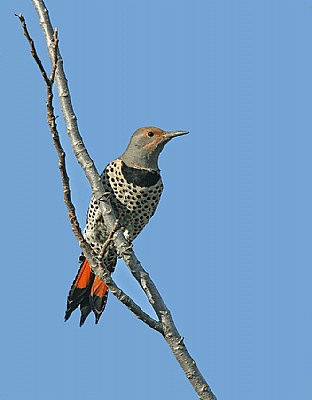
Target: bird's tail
point(88, 292)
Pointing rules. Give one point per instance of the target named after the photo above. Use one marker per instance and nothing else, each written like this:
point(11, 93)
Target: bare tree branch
point(95, 261)
point(170, 331)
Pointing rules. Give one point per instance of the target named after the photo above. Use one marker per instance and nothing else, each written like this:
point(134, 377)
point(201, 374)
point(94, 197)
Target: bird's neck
point(147, 161)
point(139, 176)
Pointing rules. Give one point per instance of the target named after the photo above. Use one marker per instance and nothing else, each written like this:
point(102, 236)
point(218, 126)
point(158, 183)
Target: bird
point(134, 184)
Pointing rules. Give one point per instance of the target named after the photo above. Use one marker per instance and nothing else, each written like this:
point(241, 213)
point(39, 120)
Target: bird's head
point(145, 146)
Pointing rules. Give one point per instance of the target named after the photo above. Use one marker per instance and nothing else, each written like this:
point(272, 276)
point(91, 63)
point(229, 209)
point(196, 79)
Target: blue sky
point(230, 245)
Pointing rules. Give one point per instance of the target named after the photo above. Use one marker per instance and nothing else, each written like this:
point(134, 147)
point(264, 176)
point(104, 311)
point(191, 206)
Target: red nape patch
point(84, 275)
point(98, 288)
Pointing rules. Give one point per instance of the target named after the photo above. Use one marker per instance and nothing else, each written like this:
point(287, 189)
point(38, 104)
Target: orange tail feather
point(88, 292)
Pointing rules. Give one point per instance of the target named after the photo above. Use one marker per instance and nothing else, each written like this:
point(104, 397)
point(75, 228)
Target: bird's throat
point(139, 177)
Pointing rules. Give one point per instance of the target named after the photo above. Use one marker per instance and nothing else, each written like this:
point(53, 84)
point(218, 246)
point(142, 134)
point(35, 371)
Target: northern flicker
point(135, 185)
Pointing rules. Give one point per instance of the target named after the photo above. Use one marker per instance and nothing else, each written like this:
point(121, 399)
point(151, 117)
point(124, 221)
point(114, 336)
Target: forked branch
point(165, 325)
point(95, 261)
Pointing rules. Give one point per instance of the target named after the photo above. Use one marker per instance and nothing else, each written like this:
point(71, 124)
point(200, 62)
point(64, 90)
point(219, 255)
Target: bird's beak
point(170, 135)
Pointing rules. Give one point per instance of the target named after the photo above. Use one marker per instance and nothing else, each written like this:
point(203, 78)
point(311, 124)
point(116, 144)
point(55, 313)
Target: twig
point(128, 302)
point(33, 49)
point(108, 240)
point(53, 128)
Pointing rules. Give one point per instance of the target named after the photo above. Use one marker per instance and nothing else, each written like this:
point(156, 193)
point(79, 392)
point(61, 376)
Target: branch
point(171, 333)
point(95, 262)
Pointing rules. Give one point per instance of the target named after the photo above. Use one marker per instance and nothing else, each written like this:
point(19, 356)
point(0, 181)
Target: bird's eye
point(150, 134)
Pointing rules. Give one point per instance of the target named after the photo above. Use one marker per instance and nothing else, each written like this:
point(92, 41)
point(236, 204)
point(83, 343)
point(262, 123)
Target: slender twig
point(53, 128)
point(171, 334)
point(108, 240)
point(33, 49)
point(132, 306)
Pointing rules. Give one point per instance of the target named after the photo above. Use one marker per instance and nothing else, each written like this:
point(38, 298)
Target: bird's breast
point(135, 195)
